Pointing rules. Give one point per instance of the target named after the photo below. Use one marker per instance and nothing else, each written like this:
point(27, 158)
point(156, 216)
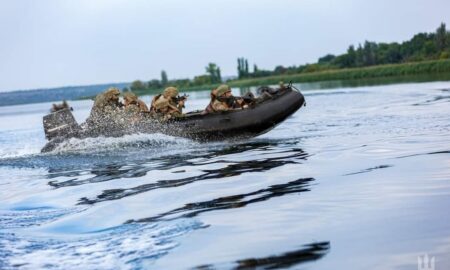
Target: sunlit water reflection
point(359, 179)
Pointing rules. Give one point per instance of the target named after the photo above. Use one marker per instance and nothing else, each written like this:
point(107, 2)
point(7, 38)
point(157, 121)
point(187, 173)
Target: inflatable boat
point(258, 118)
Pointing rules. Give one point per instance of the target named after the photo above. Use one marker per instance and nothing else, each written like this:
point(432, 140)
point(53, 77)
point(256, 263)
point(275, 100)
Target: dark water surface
point(357, 179)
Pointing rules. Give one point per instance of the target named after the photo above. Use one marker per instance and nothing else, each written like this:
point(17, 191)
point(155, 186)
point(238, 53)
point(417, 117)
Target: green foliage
point(180, 83)
point(391, 70)
point(214, 73)
point(315, 68)
point(246, 66)
point(441, 38)
point(164, 79)
point(154, 84)
point(444, 55)
point(279, 70)
point(202, 80)
point(261, 73)
point(137, 85)
point(423, 46)
point(242, 68)
point(218, 75)
point(326, 59)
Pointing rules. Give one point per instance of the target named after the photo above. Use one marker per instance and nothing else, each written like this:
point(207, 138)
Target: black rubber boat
point(239, 123)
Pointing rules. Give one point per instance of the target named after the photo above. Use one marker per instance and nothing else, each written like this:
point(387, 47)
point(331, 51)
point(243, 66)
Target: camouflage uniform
point(133, 108)
point(106, 112)
point(217, 103)
point(164, 106)
point(133, 103)
point(219, 106)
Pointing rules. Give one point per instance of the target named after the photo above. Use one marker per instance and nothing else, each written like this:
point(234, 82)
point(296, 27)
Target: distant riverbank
point(433, 70)
point(438, 70)
point(54, 94)
point(380, 71)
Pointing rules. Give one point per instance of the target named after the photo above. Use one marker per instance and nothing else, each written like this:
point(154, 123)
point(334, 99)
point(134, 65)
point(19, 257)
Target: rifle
point(179, 99)
point(232, 101)
point(248, 97)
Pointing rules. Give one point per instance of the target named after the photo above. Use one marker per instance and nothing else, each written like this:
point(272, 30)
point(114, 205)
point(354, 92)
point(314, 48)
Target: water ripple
point(234, 201)
point(309, 252)
point(227, 171)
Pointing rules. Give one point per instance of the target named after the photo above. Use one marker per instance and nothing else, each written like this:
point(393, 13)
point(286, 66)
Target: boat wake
point(127, 142)
point(96, 145)
point(129, 246)
point(79, 153)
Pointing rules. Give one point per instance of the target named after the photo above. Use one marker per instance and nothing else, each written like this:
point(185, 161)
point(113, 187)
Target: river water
point(357, 179)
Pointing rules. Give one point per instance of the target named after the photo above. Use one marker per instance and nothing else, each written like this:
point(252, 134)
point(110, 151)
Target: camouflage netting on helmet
point(170, 92)
point(130, 96)
point(222, 89)
point(106, 114)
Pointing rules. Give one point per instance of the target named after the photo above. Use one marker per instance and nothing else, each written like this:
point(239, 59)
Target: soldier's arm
point(174, 108)
point(142, 106)
point(180, 104)
point(161, 103)
point(218, 106)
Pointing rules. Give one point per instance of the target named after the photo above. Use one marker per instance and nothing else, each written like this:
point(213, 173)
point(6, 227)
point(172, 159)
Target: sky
point(49, 43)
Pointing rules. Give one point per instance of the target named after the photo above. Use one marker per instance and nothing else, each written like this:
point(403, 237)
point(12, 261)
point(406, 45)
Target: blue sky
point(50, 43)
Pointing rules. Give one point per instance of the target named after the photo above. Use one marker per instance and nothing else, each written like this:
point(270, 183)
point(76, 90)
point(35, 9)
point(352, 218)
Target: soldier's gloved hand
point(240, 102)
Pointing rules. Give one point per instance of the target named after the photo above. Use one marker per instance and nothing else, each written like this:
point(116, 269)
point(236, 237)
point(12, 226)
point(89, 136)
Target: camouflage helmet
point(222, 90)
point(170, 92)
point(112, 93)
point(130, 96)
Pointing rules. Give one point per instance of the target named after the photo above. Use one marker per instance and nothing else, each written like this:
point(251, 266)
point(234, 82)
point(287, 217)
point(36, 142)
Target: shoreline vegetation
point(424, 53)
point(380, 71)
point(347, 74)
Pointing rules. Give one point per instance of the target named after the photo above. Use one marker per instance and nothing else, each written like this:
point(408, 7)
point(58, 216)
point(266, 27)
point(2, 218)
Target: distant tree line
point(423, 46)
point(212, 76)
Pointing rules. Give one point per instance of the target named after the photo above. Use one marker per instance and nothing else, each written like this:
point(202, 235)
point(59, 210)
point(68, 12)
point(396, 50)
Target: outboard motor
point(60, 124)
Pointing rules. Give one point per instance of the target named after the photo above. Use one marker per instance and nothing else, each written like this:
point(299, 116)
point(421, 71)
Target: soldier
point(59, 107)
point(166, 105)
point(133, 109)
point(133, 103)
point(223, 100)
point(106, 109)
